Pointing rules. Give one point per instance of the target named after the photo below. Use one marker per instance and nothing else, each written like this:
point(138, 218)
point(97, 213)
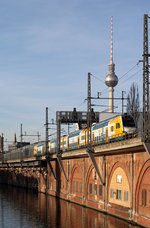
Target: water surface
point(21, 208)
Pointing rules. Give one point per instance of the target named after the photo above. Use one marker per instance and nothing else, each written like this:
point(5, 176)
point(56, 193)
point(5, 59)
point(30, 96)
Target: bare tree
point(133, 102)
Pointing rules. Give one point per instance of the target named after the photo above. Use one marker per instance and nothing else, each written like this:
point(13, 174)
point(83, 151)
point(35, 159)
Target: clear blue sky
point(47, 48)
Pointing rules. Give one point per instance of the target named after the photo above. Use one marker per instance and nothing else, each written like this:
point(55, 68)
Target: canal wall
point(126, 193)
point(125, 171)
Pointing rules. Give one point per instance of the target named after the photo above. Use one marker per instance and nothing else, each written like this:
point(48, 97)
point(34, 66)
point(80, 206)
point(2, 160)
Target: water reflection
point(21, 208)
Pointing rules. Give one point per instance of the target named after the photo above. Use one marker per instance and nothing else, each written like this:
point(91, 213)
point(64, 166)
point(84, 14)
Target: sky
point(48, 47)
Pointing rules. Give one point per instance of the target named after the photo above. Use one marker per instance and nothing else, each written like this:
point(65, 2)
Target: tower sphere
point(111, 79)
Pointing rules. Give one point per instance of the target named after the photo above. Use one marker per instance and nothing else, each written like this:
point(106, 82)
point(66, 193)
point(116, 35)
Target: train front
point(129, 127)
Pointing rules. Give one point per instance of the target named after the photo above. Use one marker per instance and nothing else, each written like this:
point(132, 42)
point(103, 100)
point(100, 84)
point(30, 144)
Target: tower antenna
point(111, 44)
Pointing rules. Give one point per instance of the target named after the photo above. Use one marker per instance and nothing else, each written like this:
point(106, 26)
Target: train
point(117, 128)
point(113, 129)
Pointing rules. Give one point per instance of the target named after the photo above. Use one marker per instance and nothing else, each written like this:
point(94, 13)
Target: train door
point(68, 143)
point(107, 134)
point(86, 137)
point(78, 142)
point(93, 138)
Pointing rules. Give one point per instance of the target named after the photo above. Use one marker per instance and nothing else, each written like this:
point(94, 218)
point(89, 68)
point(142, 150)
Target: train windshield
point(128, 121)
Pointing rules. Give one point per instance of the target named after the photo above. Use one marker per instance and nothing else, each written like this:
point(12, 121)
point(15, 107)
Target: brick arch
point(89, 174)
point(116, 165)
point(143, 184)
point(75, 166)
point(87, 182)
point(125, 185)
point(76, 180)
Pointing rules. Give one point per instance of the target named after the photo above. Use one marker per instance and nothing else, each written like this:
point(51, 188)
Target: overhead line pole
point(146, 106)
point(46, 147)
point(90, 149)
point(146, 111)
point(123, 101)
point(89, 116)
point(46, 133)
point(21, 132)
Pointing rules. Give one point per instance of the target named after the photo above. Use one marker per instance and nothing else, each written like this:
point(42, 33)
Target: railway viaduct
point(123, 189)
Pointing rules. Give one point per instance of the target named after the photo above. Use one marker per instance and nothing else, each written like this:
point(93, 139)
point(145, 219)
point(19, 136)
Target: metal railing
point(19, 153)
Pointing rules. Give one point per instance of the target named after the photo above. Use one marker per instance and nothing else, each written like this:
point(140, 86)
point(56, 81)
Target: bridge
point(122, 190)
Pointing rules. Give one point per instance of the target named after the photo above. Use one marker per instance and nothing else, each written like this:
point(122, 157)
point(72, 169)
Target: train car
point(100, 132)
point(39, 149)
point(64, 143)
point(122, 126)
point(74, 140)
point(53, 146)
point(83, 138)
point(116, 128)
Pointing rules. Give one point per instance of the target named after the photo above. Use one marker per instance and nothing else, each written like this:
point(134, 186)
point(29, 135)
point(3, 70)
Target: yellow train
point(118, 127)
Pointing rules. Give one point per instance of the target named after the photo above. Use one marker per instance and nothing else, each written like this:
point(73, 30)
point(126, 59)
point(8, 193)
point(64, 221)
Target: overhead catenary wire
point(128, 78)
point(129, 70)
point(97, 78)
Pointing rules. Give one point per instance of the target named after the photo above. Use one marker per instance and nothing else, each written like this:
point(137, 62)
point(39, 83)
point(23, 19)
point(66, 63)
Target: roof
point(73, 134)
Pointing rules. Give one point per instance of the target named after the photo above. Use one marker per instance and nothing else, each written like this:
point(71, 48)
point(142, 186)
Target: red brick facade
point(84, 186)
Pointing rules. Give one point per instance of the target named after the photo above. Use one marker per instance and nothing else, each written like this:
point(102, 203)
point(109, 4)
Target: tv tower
point(111, 79)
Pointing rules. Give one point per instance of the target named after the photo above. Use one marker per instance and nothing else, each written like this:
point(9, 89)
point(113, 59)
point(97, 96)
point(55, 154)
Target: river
point(21, 208)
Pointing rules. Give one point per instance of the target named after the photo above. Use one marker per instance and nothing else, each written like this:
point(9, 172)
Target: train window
point(117, 125)
point(82, 137)
point(112, 128)
point(128, 121)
